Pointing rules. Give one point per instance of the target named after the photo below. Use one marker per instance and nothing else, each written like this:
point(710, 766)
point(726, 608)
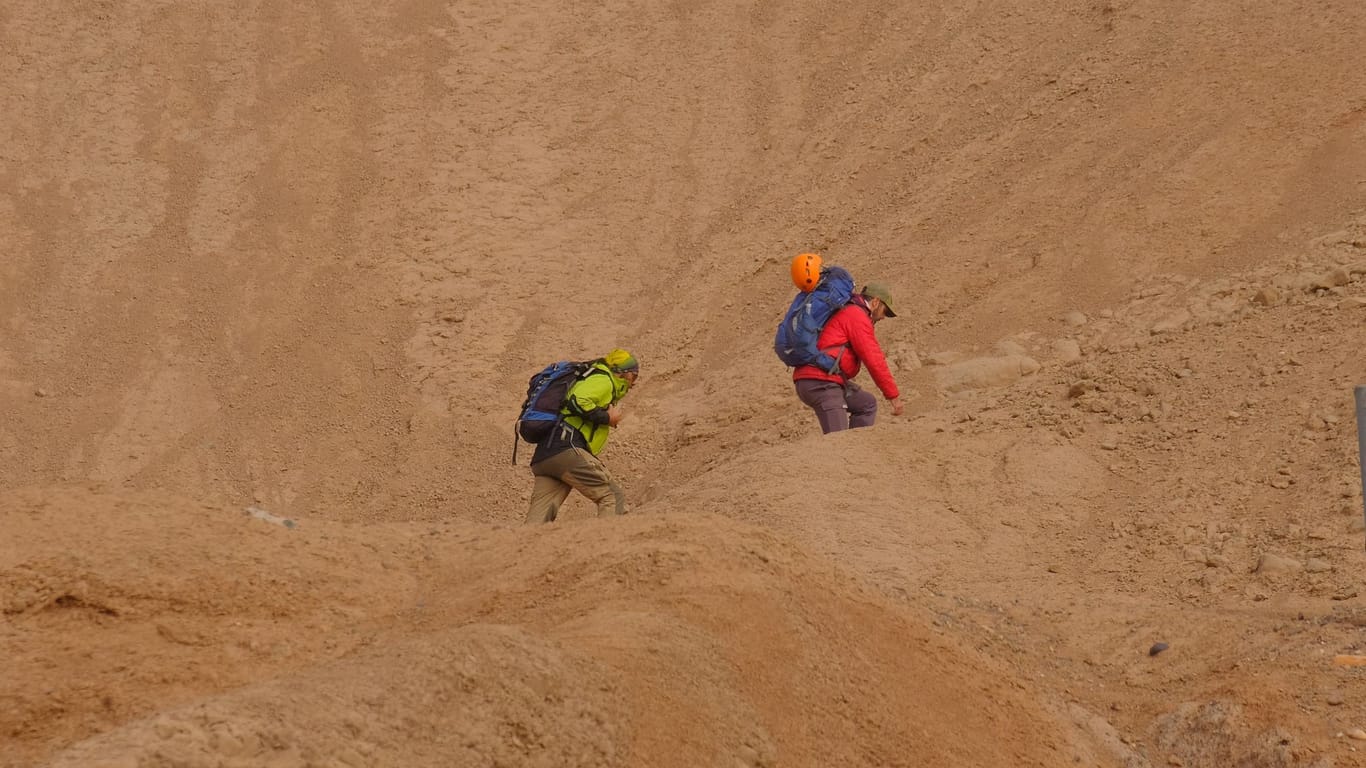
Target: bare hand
point(614, 415)
point(897, 407)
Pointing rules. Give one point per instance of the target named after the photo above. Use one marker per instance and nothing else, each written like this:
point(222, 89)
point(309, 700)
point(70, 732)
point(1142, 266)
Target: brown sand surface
point(301, 258)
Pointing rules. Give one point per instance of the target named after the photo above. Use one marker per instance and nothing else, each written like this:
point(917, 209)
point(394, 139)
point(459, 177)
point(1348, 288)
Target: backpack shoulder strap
point(569, 402)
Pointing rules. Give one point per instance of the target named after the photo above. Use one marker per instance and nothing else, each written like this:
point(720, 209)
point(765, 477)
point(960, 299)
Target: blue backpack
point(795, 341)
point(545, 395)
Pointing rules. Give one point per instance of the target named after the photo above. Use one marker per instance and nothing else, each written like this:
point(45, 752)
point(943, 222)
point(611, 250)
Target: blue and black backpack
point(795, 341)
point(545, 395)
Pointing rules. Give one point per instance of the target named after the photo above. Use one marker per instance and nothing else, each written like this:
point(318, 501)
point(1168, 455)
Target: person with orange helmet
point(567, 460)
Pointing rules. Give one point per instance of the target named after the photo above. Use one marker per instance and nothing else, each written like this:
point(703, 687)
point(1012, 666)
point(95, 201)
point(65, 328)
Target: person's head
point(879, 300)
point(623, 365)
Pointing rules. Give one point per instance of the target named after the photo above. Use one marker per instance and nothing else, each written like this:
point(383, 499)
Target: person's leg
point(862, 406)
point(827, 400)
point(589, 476)
point(547, 493)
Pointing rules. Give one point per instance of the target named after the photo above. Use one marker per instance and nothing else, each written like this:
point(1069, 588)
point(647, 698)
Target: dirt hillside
point(301, 259)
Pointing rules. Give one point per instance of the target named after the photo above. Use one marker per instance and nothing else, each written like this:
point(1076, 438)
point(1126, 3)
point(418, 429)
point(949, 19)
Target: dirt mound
point(118, 606)
point(659, 640)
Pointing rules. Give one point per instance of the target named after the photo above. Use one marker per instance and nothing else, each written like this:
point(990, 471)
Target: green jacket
point(585, 407)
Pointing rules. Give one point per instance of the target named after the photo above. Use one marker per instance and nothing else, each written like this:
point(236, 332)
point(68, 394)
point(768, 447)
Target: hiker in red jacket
point(848, 336)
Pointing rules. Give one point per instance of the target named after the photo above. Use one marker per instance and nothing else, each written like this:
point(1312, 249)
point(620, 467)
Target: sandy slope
point(304, 257)
point(659, 640)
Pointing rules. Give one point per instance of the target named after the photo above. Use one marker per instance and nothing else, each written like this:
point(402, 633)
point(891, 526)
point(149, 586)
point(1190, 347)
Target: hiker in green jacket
point(568, 459)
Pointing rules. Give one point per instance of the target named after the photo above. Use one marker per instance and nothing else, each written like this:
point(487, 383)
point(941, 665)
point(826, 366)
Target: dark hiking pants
point(838, 407)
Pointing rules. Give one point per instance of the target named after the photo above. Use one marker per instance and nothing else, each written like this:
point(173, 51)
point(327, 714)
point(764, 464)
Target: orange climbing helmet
point(806, 271)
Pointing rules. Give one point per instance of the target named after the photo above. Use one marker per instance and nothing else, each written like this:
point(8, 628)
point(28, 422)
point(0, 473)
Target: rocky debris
point(904, 359)
point(1079, 388)
point(1066, 350)
point(1202, 555)
point(1333, 278)
point(1009, 347)
point(1218, 733)
point(1167, 305)
point(943, 358)
point(1105, 735)
point(1171, 323)
point(1271, 563)
point(984, 372)
point(1339, 237)
point(1296, 282)
point(1268, 295)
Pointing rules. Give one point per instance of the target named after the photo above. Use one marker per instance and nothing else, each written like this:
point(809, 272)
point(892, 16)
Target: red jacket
point(852, 326)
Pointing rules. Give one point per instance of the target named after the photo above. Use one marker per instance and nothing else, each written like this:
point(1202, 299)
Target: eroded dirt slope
point(303, 258)
point(658, 640)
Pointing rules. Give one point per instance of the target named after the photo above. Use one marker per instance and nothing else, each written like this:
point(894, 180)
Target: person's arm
point(864, 343)
point(591, 398)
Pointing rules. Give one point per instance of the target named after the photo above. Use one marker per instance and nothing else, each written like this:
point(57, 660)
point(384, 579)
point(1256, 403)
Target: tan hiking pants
point(578, 470)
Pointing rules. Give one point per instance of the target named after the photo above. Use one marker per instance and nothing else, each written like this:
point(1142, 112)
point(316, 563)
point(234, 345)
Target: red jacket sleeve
point(864, 343)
